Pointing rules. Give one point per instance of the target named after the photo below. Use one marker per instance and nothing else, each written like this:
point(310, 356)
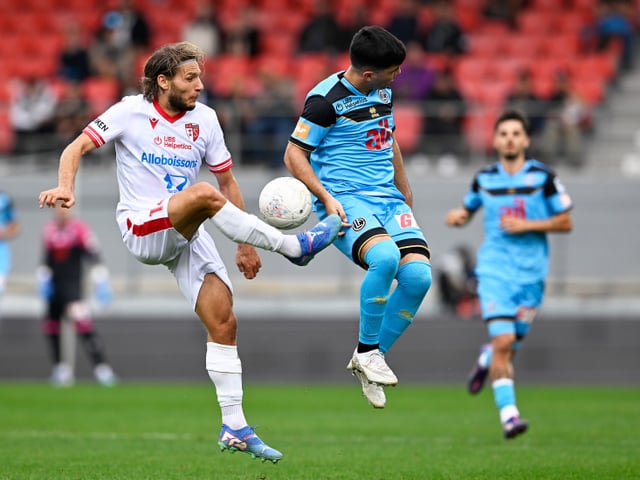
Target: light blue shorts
point(500, 298)
point(370, 216)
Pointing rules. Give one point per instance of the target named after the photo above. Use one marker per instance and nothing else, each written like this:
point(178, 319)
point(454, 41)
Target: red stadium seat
point(101, 93)
point(7, 135)
point(222, 71)
point(591, 91)
point(408, 120)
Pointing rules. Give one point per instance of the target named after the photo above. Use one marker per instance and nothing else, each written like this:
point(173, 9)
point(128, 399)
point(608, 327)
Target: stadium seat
point(591, 91)
point(278, 64)
point(7, 135)
point(224, 73)
point(595, 65)
point(478, 128)
point(536, 22)
point(408, 120)
point(101, 93)
point(485, 45)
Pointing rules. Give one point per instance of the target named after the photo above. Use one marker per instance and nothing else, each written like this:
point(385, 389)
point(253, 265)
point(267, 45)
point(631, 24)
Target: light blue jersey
point(534, 193)
point(349, 135)
point(7, 217)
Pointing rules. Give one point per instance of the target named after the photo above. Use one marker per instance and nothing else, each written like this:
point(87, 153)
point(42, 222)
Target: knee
point(383, 257)
point(207, 196)
point(502, 344)
point(415, 277)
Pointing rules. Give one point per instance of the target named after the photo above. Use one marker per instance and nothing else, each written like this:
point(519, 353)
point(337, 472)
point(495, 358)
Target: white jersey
point(158, 155)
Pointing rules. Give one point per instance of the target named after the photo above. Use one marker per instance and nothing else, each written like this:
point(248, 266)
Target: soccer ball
point(285, 203)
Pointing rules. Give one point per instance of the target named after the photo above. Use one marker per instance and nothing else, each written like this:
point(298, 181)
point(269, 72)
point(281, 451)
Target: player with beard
point(523, 200)
point(162, 137)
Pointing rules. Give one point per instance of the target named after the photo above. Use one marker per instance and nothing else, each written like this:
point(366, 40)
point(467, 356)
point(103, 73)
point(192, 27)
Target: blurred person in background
point(204, 30)
point(162, 138)
point(9, 229)
point(32, 113)
point(568, 120)
point(71, 114)
point(74, 64)
point(523, 200)
point(445, 34)
point(344, 149)
point(70, 250)
point(404, 22)
point(269, 121)
point(322, 32)
point(415, 81)
point(241, 36)
point(445, 110)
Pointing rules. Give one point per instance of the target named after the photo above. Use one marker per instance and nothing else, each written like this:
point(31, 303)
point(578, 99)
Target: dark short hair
point(374, 47)
point(165, 61)
point(512, 115)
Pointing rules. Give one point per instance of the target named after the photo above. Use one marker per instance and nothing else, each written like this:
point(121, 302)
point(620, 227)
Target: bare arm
point(400, 174)
point(297, 162)
point(557, 223)
point(458, 217)
point(69, 164)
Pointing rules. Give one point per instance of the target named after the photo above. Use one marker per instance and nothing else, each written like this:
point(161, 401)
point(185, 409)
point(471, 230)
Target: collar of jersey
point(165, 115)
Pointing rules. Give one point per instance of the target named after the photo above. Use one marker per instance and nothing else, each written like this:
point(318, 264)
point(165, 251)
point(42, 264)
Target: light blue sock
point(414, 280)
point(382, 259)
point(504, 393)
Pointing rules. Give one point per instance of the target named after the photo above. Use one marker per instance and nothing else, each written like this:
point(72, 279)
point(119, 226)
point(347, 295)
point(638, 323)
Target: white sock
point(242, 227)
point(225, 371)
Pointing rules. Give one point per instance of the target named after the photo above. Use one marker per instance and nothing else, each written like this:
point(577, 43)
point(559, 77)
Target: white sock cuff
point(223, 358)
point(502, 382)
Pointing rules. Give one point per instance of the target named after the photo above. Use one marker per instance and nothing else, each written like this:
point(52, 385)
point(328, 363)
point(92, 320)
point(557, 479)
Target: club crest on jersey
point(384, 96)
point(193, 131)
point(358, 224)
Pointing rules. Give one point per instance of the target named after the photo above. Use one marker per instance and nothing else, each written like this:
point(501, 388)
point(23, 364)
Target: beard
point(178, 104)
point(510, 157)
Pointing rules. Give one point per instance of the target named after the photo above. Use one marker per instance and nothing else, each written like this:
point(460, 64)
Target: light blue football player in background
point(9, 229)
point(344, 149)
point(522, 200)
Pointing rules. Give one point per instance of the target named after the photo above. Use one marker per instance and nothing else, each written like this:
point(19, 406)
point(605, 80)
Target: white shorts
point(149, 235)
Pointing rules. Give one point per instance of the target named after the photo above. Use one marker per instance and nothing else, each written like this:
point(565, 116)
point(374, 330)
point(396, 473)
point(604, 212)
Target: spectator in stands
point(523, 99)
point(203, 30)
point(614, 22)
point(131, 27)
point(416, 77)
point(445, 34)
point(74, 64)
point(445, 110)
point(404, 23)
point(32, 111)
point(322, 33)
point(503, 11)
point(270, 121)
point(241, 35)
point(123, 36)
point(72, 113)
point(110, 57)
point(568, 119)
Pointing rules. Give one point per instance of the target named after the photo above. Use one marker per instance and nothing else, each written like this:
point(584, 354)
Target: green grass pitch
point(169, 431)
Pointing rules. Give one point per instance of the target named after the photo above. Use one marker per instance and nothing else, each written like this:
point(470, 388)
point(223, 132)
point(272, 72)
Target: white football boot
point(374, 368)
